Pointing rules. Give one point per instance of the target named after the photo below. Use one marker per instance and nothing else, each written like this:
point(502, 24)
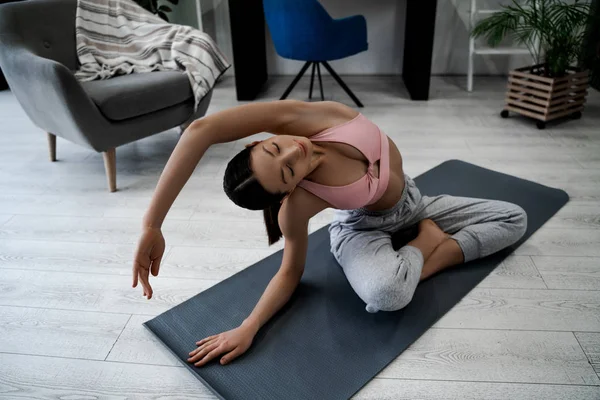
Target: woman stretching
point(326, 155)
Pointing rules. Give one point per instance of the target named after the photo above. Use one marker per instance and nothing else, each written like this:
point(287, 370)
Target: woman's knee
point(518, 219)
point(392, 293)
point(389, 296)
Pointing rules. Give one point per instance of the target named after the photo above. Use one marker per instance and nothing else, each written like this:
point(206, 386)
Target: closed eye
point(291, 170)
point(277, 147)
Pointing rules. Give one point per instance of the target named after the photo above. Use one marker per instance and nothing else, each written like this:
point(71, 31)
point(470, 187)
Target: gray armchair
point(38, 57)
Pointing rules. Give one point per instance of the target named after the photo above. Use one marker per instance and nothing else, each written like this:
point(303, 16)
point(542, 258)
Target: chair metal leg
point(296, 79)
point(312, 79)
point(320, 82)
point(342, 84)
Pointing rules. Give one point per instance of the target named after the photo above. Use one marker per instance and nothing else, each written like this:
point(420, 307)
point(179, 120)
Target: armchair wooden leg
point(110, 165)
point(52, 146)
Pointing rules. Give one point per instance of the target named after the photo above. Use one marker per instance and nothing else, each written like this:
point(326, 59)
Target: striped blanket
point(116, 37)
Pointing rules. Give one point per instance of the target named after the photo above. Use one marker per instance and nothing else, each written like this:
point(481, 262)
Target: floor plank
point(528, 309)
point(48, 255)
point(103, 204)
point(590, 343)
point(561, 242)
point(589, 160)
point(212, 263)
point(91, 292)
point(239, 233)
point(4, 218)
point(573, 216)
point(15, 183)
point(574, 273)
point(582, 193)
point(494, 356)
point(138, 345)
point(406, 389)
point(514, 272)
point(70, 334)
point(128, 179)
point(218, 207)
point(20, 378)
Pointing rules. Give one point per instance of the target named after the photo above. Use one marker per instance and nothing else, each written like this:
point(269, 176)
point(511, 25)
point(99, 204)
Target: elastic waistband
point(391, 210)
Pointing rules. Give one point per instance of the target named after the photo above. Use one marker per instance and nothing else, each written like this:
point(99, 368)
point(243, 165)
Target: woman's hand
point(148, 256)
point(234, 343)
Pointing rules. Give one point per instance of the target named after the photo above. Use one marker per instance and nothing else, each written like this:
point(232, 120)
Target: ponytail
point(271, 215)
point(243, 189)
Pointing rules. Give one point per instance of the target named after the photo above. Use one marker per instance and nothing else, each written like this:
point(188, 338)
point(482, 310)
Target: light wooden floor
point(70, 324)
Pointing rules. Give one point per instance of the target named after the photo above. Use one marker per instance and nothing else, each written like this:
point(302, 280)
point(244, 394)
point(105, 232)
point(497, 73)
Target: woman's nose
point(291, 154)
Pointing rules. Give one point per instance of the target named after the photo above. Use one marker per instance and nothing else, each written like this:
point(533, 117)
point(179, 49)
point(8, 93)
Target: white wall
point(385, 30)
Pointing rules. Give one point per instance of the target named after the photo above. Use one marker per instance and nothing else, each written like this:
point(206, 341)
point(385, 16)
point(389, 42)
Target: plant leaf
point(497, 26)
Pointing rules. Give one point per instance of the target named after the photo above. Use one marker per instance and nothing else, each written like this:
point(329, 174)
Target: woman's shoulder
point(311, 118)
point(339, 113)
point(297, 209)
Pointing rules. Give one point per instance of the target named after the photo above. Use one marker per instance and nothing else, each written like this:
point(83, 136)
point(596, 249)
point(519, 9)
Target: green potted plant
point(554, 31)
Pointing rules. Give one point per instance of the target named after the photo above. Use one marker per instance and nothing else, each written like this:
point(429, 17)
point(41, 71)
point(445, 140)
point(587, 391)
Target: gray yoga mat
point(323, 344)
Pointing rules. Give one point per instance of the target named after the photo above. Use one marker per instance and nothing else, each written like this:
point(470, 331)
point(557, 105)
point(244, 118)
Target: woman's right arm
point(294, 216)
point(293, 219)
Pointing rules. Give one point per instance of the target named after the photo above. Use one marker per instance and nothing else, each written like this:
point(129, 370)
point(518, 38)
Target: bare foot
point(430, 236)
point(432, 232)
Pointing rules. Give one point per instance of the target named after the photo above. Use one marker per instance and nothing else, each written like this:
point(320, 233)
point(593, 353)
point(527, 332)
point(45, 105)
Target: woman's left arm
point(281, 117)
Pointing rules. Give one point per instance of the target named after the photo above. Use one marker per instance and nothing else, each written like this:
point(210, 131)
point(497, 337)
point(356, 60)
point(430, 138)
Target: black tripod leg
point(296, 79)
point(312, 79)
point(320, 83)
point(342, 84)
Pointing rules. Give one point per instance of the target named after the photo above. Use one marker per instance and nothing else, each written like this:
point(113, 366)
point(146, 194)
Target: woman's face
point(281, 162)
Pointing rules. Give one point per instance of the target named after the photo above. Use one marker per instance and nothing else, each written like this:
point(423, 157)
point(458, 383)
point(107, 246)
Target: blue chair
point(303, 30)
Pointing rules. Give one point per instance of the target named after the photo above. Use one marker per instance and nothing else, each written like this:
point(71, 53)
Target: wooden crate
point(545, 99)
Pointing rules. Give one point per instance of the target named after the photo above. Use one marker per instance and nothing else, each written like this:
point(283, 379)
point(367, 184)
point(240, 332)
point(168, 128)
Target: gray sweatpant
point(386, 279)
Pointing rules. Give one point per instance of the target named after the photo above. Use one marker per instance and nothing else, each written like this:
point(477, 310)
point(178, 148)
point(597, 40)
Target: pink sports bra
point(365, 136)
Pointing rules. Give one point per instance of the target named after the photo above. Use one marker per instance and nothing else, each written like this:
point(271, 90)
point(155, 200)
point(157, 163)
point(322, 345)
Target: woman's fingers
point(203, 352)
point(156, 265)
point(232, 355)
point(200, 348)
point(218, 350)
point(141, 274)
point(213, 346)
point(135, 274)
point(144, 278)
point(206, 340)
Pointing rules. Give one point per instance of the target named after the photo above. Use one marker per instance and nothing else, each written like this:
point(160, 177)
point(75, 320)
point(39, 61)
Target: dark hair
point(243, 189)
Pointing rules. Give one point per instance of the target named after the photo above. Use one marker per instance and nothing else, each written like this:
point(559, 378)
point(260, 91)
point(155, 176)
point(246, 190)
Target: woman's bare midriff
point(396, 183)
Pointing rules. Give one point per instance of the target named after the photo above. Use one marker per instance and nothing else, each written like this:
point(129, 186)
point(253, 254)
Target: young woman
point(326, 155)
